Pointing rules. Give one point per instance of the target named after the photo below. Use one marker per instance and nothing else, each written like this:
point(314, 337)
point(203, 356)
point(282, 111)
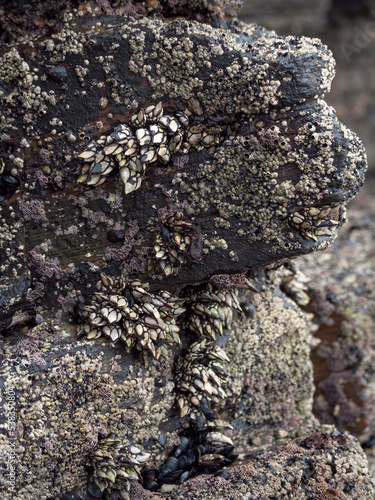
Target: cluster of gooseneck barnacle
point(113, 466)
point(212, 311)
point(125, 310)
point(151, 136)
point(199, 377)
point(313, 222)
point(199, 452)
point(171, 244)
point(294, 284)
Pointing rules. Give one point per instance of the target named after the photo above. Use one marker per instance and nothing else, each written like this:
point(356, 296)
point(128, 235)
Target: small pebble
point(167, 488)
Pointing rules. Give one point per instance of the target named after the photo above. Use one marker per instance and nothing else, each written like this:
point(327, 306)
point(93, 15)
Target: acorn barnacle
point(171, 245)
point(212, 311)
point(113, 466)
point(199, 377)
point(150, 137)
point(125, 310)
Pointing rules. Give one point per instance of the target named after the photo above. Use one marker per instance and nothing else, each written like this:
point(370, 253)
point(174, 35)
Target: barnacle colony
point(151, 136)
point(125, 310)
point(199, 376)
point(171, 243)
point(314, 222)
point(212, 311)
point(114, 466)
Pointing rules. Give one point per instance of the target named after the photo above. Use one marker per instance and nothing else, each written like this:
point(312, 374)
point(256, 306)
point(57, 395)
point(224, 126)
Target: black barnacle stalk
point(150, 137)
point(113, 466)
point(125, 310)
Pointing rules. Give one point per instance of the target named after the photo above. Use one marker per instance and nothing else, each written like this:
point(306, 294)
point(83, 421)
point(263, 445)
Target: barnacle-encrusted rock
point(343, 307)
point(67, 391)
point(150, 137)
point(314, 468)
point(271, 185)
point(244, 166)
point(175, 245)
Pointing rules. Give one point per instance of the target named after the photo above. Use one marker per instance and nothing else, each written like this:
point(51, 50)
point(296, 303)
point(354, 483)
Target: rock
point(235, 165)
point(279, 145)
point(304, 469)
point(342, 302)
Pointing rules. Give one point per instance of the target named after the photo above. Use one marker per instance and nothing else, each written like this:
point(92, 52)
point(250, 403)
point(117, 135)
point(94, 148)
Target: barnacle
point(294, 284)
point(313, 222)
point(151, 136)
point(125, 310)
point(212, 311)
point(199, 376)
point(115, 465)
point(171, 244)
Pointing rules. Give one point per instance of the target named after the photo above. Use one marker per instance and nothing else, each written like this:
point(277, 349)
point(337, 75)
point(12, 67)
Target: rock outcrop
point(156, 176)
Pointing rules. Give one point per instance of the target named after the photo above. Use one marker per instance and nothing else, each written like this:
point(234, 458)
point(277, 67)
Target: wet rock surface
point(155, 174)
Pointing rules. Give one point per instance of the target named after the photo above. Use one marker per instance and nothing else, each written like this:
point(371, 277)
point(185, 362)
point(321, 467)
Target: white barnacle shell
point(143, 136)
point(87, 155)
point(125, 174)
point(163, 154)
point(148, 155)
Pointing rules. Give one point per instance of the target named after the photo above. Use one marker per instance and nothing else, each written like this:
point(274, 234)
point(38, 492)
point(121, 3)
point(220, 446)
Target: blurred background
point(347, 27)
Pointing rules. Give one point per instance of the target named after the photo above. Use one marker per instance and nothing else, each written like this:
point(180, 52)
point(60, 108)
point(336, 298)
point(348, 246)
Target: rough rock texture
point(318, 467)
point(68, 392)
point(270, 182)
point(270, 386)
point(281, 153)
point(347, 28)
point(343, 306)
